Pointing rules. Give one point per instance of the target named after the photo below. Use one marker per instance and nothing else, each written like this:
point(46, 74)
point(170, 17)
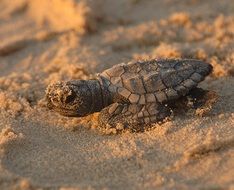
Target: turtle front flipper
point(132, 116)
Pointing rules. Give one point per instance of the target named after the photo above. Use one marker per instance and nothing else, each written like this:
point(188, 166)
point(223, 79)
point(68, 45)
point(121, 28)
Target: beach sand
point(46, 41)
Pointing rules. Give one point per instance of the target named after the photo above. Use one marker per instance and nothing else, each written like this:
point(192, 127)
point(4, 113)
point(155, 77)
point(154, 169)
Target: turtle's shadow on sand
point(213, 102)
point(198, 101)
point(213, 106)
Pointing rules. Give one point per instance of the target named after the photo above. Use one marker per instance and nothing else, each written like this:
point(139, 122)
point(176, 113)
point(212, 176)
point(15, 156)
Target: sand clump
point(65, 15)
point(47, 41)
point(8, 134)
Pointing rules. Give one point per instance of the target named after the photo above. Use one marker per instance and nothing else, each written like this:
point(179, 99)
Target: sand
point(46, 41)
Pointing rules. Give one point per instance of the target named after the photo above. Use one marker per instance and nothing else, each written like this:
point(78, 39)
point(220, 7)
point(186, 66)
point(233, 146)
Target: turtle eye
point(70, 98)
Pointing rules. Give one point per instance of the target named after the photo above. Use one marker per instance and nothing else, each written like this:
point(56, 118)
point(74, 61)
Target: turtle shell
point(156, 80)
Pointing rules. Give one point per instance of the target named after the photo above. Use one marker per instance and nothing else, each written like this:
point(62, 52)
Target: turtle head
point(73, 98)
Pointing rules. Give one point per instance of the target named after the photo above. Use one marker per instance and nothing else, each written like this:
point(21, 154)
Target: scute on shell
point(156, 80)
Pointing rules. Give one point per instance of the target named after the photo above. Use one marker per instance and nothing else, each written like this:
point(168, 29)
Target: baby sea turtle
point(129, 95)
